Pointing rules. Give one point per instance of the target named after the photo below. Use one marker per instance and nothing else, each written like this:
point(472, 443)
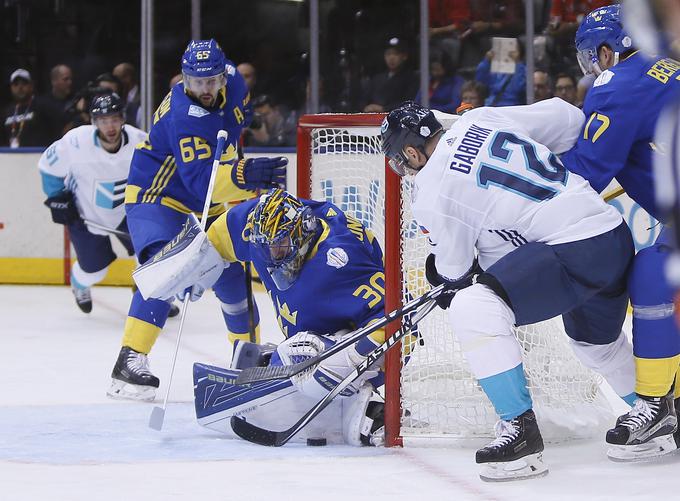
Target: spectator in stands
point(505, 89)
point(387, 90)
point(26, 122)
point(473, 93)
point(445, 85)
point(271, 125)
point(129, 91)
point(249, 74)
point(542, 86)
point(449, 19)
point(565, 88)
point(61, 81)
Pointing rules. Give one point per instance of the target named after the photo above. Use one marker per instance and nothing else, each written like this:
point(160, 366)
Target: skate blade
point(121, 390)
point(530, 466)
point(655, 448)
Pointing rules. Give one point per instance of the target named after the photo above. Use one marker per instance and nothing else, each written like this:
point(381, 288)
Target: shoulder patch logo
point(331, 212)
point(197, 111)
point(336, 257)
point(604, 78)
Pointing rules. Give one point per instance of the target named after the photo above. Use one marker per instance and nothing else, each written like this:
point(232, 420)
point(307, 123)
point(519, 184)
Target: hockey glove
point(453, 286)
point(63, 208)
point(260, 173)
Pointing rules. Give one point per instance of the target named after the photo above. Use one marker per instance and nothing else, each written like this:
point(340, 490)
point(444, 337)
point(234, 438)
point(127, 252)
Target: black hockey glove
point(260, 173)
point(453, 286)
point(63, 208)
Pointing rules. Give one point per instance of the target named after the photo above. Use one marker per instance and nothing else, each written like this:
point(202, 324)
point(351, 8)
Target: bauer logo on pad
point(336, 257)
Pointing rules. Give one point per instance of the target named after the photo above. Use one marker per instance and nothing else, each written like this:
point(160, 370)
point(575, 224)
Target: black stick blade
point(255, 434)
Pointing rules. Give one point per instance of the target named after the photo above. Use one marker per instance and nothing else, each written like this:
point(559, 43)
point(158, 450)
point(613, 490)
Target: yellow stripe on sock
point(654, 376)
point(245, 336)
point(140, 335)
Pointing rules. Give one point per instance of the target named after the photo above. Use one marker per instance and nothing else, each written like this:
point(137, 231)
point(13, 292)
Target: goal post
point(430, 391)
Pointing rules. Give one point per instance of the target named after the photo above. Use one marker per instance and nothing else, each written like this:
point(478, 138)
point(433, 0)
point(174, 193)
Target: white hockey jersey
point(96, 177)
point(494, 183)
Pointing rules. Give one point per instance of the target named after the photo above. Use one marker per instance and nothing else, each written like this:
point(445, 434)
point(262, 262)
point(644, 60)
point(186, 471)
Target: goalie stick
point(256, 374)
point(261, 436)
point(158, 413)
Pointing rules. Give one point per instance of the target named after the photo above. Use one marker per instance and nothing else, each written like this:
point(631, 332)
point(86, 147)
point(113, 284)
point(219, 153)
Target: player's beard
point(207, 99)
point(111, 142)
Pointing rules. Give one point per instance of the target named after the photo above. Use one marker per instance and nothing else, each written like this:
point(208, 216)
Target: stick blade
point(270, 372)
point(156, 418)
point(257, 435)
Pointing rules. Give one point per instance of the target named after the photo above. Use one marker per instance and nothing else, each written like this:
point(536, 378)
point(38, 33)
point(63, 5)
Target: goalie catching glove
point(260, 173)
point(188, 263)
point(63, 208)
point(453, 286)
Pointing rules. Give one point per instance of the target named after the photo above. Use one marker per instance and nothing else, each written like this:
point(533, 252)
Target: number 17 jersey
point(495, 183)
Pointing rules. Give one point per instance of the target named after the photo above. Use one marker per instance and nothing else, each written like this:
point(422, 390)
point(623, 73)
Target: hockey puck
point(316, 442)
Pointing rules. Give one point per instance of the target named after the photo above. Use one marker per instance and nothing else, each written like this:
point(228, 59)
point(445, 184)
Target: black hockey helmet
point(408, 125)
point(108, 104)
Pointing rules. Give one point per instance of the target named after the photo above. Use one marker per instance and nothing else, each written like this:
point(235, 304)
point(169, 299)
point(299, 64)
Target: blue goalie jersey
point(172, 167)
point(341, 284)
point(621, 113)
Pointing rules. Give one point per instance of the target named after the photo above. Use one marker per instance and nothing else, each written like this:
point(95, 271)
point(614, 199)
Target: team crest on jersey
point(336, 257)
point(197, 111)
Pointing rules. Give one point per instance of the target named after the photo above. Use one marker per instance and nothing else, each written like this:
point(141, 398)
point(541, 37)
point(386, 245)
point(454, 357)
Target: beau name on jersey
point(468, 149)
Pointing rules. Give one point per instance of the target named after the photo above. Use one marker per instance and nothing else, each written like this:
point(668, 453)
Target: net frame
point(395, 247)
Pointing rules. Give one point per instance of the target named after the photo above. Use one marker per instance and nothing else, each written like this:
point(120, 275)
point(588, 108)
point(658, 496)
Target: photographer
point(271, 125)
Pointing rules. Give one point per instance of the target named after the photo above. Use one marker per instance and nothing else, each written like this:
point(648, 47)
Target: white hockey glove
point(188, 263)
point(317, 382)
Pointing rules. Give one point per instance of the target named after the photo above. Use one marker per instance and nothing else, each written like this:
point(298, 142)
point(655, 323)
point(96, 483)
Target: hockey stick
point(262, 436)
point(255, 374)
point(616, 192)
point(158, 413)
point(251, 312)
point(119, 233)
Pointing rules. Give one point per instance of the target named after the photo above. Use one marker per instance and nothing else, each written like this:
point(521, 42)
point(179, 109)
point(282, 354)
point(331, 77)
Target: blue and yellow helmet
point(603, 26)
point(283, 230)
point(203, 58)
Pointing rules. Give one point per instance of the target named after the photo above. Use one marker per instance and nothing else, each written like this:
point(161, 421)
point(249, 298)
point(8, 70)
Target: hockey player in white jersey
point(84, 175)
point(521, 240)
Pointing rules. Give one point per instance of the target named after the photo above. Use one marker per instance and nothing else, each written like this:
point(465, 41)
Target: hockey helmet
point(204, 67)
point(107, 104)
point(408, 125)
point(282, 232)
point(602, 26)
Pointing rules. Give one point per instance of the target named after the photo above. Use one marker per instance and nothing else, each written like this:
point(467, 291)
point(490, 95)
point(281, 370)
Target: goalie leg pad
point(363, 418)
point(189, 261)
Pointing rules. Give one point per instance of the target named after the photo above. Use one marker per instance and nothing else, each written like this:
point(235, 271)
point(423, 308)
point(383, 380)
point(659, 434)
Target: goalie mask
point(283, 232)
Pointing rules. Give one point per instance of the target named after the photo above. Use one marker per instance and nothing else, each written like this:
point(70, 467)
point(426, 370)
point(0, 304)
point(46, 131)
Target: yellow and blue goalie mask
point(283, 232)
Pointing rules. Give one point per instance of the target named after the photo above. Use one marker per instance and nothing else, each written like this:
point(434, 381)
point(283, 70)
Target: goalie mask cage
point(429, 389)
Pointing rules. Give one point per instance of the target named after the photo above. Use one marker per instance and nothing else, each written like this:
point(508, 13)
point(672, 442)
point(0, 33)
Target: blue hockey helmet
point(282, 232)
point(602, 26)
point(204, 70)
point(408, 125)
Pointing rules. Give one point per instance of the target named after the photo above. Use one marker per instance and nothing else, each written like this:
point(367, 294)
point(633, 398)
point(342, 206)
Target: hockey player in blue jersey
point(324, 273)
point(168, 179)
point(617, 142)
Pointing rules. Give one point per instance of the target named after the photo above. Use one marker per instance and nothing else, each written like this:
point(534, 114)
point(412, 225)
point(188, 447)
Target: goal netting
point(430, 390)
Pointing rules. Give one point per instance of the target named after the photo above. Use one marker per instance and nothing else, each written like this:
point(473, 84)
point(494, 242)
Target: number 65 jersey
point(495, 183)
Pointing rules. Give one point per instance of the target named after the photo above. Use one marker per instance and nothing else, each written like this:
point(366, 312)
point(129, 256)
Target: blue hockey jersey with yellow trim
point(173, 166)
point(621, 113)
point(342, 283)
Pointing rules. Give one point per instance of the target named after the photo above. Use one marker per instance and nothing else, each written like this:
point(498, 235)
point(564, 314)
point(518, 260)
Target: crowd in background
point(461, 70)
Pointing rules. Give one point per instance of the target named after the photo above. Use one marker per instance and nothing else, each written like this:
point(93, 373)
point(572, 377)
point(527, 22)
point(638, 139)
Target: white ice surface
point(61, 438)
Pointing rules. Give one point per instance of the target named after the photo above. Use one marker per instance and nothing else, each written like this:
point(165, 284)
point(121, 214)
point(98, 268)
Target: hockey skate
point(174, 310)
point(516, 453)
point(83, 298)
point(131, 378)
point(648, 430)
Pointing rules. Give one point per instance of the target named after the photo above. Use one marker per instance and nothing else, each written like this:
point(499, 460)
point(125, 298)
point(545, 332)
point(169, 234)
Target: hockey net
point(429, 390)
